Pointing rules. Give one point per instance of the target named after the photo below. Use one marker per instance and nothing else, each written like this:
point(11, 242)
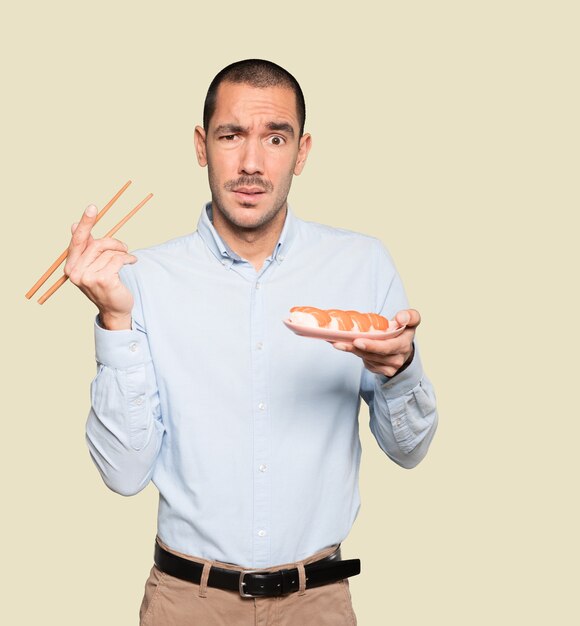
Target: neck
point(252, 244)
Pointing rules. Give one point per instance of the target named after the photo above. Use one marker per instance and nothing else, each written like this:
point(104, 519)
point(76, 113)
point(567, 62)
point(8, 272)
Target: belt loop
point(301, 578)
point(204, 577)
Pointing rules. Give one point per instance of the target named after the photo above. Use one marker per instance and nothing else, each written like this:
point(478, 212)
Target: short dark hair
point(257, 73)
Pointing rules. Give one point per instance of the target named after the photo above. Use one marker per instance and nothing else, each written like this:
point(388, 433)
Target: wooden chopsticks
point(64, 254)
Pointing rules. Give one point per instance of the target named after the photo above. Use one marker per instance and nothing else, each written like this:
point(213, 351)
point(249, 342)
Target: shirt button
point(261, 406)
point(258, 285)
point(133, 347)
point(261, 533)
point(397, 423)
point(259, 345)
point(138, 401)
point(263, 468)
point(281, 258)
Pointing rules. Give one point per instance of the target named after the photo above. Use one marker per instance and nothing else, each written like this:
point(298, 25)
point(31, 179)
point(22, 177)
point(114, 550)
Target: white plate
point(344, 336)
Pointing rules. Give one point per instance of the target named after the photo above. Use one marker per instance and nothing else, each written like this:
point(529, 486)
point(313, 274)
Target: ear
point(200, 147)
point(303, 150)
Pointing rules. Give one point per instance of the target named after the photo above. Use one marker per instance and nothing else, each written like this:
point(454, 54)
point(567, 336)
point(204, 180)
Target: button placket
point(261, 430)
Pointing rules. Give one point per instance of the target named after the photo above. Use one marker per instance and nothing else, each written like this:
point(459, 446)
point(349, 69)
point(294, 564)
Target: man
point(248, 431)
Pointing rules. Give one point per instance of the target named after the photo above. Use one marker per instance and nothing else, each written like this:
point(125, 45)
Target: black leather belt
point(256, 584)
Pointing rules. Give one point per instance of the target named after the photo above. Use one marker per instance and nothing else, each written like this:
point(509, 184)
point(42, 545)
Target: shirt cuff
point(404, 382)
point(121, 349)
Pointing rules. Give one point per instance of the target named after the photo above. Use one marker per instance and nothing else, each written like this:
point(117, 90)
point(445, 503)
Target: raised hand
point(93, 265)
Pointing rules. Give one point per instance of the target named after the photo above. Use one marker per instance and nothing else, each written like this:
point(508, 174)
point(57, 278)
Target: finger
point(72, 261)
point(81, 235)
point(370, 363)
point(374, 368)
point(117, 261)
point(408, 317)
point(85, 275)
point(74, 227)
point(391, 362)
point(384, 370)
point(103, 260)
point(343, 347)
point(96, 248)
point(379, 347)
point(106, 276)
point(99, 281)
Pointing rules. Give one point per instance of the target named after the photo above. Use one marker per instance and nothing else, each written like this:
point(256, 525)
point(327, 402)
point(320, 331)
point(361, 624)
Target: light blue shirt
point(248, 431)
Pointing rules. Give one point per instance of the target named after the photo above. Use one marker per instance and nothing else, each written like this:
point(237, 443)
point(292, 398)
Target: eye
point(231, 138)
point(277, 140)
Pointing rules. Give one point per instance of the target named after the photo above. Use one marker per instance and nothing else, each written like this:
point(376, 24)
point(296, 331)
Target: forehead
point(243, 104)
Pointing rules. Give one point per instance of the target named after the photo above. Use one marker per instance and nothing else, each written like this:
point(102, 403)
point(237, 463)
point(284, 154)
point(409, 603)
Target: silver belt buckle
point(242, 583)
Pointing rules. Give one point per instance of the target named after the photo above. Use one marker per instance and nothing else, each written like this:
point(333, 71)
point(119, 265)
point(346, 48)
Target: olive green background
point(450, 130)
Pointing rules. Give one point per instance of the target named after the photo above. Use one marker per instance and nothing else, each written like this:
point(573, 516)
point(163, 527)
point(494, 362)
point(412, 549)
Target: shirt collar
point(225, 254)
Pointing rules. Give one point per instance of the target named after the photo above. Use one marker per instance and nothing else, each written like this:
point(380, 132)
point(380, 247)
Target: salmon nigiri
point(337, 319)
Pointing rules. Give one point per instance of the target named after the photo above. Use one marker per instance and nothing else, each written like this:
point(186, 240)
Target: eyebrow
point(281, 127)
point(229, 129)
point(236, 128)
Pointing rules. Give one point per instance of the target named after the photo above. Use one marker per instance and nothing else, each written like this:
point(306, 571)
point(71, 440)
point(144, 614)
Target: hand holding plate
point(387, 356)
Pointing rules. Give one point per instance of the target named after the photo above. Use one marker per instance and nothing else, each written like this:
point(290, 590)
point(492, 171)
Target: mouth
point(248, 193)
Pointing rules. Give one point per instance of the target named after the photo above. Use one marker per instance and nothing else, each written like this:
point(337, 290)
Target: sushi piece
point(337, 319)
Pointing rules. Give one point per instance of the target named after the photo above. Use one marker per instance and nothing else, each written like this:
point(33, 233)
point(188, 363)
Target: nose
point(252, 157)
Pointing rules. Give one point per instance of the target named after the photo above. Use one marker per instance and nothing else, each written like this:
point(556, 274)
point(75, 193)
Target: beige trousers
point(170, 601)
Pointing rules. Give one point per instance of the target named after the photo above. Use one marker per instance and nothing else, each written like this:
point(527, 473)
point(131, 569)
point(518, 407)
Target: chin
point(251, 222)
point(249, 217)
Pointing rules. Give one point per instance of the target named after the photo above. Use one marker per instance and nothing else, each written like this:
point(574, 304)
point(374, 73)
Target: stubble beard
point(263, 220)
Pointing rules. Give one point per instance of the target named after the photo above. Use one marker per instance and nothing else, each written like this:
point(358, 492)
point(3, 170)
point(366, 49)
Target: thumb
point(408, 317)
